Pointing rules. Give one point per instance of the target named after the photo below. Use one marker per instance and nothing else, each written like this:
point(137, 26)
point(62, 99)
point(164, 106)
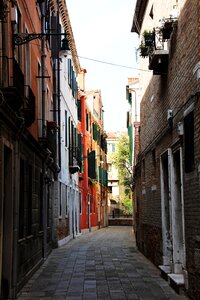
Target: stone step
point(165, 270)
point(176, 281)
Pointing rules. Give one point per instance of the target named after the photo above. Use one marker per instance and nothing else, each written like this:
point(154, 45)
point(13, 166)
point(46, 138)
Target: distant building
point(93, 174)
point(115, 188)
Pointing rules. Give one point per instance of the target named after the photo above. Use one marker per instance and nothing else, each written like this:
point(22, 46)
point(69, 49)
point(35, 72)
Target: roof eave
point(140, 9)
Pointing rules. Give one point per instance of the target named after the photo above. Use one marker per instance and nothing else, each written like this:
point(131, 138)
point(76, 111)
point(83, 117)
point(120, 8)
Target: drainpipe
point(58, 88)
point(43, 56)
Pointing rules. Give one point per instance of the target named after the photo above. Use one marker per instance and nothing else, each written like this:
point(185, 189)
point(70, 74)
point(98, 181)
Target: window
point(151, 12)
point(153, 164)
point(111, 147)
point(41, 202)
point(29, 199)
point(70, 141)
point(25, 204)
point(87, 122)
point(21, 200)
point(69, 72)
point(80, 203)
point(95, 131)
point(66, 205)
point(47, 103)
point(80, 152)
point(27, 63)
point(143, 170)
point(72, 80)
point(48, 206)
point(60, 200)
point(19, 30)
point(65, 128)
point(189, 141)
point(79, 109)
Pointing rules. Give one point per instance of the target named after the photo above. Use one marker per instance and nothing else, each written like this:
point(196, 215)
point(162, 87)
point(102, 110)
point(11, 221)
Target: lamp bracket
point(23, 38)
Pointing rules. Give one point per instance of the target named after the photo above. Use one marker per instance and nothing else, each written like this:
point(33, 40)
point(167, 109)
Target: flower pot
point(166, 32)
point(149, 39)
point(144, 52)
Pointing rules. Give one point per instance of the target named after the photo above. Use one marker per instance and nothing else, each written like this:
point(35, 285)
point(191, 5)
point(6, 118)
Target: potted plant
point(149, 38)
point(52, 125)
point(168, 28)
point(3, 10)
point(144, 50)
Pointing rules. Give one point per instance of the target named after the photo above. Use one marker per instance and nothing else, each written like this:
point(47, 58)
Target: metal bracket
point(23, 38)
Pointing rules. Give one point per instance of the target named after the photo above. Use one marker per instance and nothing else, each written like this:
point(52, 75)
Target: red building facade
point(93, 174)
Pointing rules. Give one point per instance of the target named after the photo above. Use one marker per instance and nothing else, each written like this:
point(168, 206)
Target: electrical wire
point(113, 64)
point(107, 62)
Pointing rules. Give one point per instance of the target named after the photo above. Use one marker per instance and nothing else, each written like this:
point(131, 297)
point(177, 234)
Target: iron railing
point(12, 82)
point(29, 106)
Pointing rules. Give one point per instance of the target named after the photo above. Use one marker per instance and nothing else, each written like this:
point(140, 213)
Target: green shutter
point(92, 165)
point(95, 132)
point(79, 109)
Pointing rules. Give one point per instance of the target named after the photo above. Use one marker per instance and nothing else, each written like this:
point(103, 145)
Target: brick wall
point(171, 91)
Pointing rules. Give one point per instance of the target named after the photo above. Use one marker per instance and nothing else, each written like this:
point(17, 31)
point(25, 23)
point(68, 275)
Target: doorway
point(7, 224)
point(178, 213)
point(166, 209)
point(173, 230)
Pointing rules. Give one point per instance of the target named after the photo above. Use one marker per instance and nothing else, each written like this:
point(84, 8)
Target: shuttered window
point(189, 142)
point(92, 165)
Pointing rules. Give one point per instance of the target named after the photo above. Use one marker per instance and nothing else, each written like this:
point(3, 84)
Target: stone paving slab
point(101, 265)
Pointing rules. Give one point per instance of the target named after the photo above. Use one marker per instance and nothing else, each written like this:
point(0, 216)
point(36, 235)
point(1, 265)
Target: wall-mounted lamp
point(64, 46)
point(24, 38)
point(74, 169)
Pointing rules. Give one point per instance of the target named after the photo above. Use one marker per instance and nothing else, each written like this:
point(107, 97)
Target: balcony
point(12, 86)
point(75, 159)
point(158, 61)
point(49, 140)
point(155, 45)
point(159, 54)
point(3, 10)
point(29, 106)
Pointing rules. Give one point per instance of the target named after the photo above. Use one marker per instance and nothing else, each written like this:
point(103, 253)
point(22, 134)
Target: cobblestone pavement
point(103, 265)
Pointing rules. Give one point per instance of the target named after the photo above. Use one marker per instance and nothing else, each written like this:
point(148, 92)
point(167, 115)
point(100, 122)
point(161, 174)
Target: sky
point(102, 32)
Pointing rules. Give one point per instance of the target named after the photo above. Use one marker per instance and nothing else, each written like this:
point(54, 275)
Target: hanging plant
point(3, 10)
point(167, 28)
point(52, 125)
point(144, 50)
point(149, 38)
point(91, 182)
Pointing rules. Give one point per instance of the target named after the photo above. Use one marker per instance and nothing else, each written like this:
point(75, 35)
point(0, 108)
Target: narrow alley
point(104, 264)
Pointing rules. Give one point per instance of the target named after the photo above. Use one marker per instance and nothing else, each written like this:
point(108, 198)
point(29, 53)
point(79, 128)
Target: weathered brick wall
point(172, 91)
point(192, 214)
point(153, 247)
